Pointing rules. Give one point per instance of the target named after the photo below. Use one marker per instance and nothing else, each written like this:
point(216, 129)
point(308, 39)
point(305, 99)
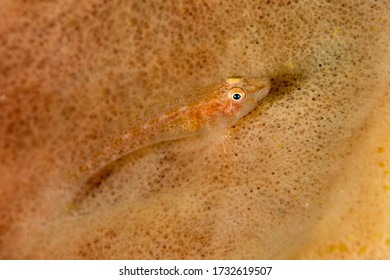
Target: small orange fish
point(220, 105)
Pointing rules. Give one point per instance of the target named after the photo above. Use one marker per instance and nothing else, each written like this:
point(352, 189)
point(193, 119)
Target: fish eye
point(236, 94)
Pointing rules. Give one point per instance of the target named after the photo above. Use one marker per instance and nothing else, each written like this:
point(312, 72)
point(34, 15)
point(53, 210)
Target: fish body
point(219, 105)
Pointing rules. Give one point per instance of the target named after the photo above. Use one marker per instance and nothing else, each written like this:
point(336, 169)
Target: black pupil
point(236, 96)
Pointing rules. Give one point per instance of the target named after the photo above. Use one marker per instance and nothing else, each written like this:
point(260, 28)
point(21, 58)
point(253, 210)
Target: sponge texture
point(304, 175)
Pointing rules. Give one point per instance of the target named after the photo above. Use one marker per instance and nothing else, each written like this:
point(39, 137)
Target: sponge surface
point(305, 175)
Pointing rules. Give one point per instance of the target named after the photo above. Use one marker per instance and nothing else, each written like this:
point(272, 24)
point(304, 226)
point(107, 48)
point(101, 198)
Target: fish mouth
point(262, 87)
